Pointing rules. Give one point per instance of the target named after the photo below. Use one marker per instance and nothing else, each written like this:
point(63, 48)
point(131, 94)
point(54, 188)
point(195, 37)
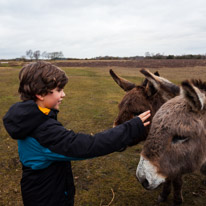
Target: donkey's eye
point(179, 139)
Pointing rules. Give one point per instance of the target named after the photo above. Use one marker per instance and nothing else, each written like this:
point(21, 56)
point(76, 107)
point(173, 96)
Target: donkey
point(150, 95)
point(176, 143)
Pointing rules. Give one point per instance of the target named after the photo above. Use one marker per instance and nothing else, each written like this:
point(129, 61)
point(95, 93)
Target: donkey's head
point(176, 143)
point(150, 95)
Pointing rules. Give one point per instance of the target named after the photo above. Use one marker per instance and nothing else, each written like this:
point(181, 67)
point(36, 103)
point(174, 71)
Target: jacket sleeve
point(66, 142)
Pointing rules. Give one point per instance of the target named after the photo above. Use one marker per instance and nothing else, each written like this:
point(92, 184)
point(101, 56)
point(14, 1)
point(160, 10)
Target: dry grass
point(91, 106)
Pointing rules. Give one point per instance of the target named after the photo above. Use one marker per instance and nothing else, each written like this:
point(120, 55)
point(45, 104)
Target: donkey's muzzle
point(145, 184)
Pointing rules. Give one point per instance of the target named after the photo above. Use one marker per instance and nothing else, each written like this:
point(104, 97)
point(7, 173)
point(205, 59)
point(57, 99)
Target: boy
point(45, 147)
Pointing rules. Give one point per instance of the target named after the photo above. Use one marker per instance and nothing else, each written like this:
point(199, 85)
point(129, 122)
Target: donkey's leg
point(203, 171)
point(177, 185)
point(165, 191)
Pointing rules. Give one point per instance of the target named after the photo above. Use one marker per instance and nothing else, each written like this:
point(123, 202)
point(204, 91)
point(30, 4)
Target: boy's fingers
point(146, 123)
point(145, 115)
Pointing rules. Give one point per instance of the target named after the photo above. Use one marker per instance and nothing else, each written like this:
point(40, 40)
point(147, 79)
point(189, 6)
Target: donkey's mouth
point(150, 186)
point(145, 184)
point(147, 175)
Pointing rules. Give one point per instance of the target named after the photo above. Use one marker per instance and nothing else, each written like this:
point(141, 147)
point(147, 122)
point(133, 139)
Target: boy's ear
point(39, 97)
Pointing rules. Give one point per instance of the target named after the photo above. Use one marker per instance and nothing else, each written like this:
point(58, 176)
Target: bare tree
point(36, 55)
point(45, 55)
point(61, 55)
point(29, 53)
point(56, 55)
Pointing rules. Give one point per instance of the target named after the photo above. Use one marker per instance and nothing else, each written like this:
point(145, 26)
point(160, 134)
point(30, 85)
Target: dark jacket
point(46, 149)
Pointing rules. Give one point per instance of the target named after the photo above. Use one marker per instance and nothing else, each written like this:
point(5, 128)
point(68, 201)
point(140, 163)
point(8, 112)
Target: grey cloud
point(88, 28)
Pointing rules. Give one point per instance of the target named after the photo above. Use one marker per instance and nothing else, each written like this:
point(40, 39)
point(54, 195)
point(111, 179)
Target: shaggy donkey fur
point(176, 143)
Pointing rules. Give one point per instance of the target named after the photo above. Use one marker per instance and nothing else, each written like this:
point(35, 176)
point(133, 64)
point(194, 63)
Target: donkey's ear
point(195, 98)
point(123, 83)
point(162, 85)
point(145, 82)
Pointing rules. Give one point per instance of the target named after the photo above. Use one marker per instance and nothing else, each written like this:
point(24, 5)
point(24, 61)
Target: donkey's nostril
point(145, 184)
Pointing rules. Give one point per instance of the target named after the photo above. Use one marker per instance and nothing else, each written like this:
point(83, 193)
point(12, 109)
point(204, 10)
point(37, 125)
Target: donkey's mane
point(199, 83)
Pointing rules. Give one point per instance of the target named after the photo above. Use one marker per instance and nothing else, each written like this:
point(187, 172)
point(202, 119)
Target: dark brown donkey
point(176, 143)
point(150, 95)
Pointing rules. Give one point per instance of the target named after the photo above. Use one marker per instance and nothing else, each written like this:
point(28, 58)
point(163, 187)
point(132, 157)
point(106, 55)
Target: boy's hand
point(144, 116)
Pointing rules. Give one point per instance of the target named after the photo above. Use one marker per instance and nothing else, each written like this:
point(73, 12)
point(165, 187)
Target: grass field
point(90, 106)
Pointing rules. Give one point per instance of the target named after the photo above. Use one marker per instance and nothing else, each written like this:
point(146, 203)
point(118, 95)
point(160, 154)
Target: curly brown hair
point(40, 78)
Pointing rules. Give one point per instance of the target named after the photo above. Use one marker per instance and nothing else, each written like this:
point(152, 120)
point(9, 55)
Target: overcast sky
point(91, 28)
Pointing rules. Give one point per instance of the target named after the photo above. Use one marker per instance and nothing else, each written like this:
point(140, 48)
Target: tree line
point(149, 55)
point(36, 55)
point(153, 56)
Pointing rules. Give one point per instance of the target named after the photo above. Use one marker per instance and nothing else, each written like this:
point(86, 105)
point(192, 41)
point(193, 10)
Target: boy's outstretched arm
point(78, 145)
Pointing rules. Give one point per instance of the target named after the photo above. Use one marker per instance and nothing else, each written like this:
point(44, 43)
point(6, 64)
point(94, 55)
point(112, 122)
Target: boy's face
point(52, 100)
